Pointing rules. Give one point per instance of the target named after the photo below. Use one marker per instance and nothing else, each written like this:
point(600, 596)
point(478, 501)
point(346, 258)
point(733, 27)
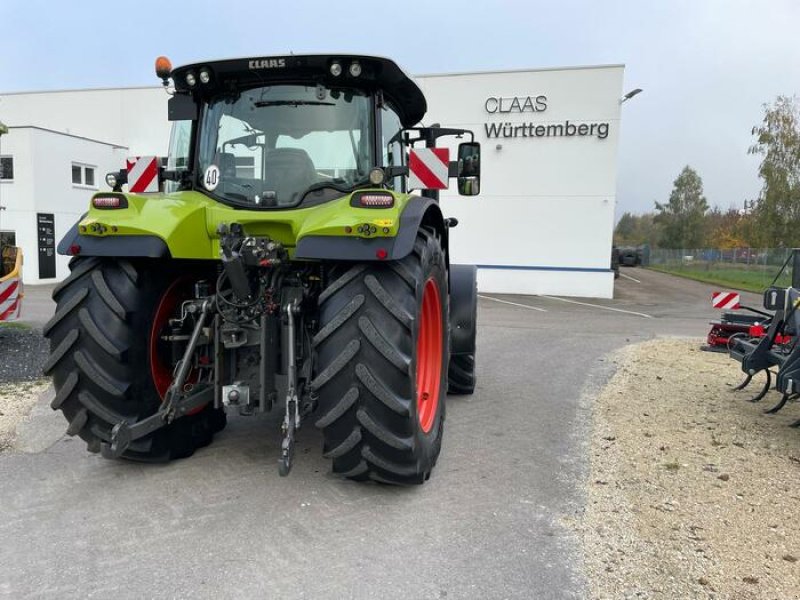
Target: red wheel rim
point(160, 369)
point(429, 355)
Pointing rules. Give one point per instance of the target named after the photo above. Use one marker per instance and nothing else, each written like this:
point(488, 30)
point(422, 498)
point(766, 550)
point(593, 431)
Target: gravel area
point(16, 401)
point(23, 352)
point(693, 491)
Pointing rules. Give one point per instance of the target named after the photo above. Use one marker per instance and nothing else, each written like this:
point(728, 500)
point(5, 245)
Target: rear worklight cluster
point(204, 76)
point(354, 69)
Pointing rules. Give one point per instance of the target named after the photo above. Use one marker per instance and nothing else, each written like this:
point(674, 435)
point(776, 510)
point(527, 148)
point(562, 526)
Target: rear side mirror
point(181, 107)
point(469, 168)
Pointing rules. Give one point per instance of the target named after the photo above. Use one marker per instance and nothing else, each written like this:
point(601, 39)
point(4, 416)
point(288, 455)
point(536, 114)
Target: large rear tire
point(100, 355)
point(381, 366)
point(461, 374)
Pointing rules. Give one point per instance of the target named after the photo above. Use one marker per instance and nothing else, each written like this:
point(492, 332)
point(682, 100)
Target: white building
point(543, 223)
point(46, 180)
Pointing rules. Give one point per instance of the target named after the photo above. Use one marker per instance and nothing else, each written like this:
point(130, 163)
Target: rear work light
point(372, 200)
point(109, 201)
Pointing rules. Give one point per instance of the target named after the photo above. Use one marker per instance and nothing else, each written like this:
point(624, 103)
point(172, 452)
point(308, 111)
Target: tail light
point(109, 201)
point(372, 200)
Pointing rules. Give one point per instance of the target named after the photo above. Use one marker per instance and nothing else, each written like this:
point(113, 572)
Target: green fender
point(184, 225)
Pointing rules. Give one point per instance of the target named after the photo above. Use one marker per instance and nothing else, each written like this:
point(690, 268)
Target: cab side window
point(393, 154)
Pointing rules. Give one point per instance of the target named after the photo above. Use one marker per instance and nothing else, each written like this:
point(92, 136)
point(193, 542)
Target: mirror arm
point(431, 134)
point(182, 176)
point(398, 171)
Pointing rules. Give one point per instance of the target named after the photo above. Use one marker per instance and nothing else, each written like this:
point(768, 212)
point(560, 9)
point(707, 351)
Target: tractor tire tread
point(57, 355)
point(97, 351)
point(385, 298)
point(63, 311)
point(78, 422)
point(107, 295)
point(461, 374)
point(339, 409)
point(382, 345)
point(80, 267)
point(342, 281)
point(64, 391)
point(100, 338)
point(364, 380)
point(381, 391)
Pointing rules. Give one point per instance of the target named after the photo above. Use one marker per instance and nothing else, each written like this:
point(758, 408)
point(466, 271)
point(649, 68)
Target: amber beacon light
point(163, 68)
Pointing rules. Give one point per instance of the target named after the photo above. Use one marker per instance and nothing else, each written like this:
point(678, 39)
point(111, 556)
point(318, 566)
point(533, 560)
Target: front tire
point(381, 366)
point(100, 357)
point(461, 374)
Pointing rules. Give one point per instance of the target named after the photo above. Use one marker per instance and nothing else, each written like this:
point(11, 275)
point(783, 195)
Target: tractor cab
point(296, 131)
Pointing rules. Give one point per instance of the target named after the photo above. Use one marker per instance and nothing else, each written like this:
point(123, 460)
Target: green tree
point(625, 229)
point(636, 230)
point(777, 211)
point(726, 229)
point(682, 217)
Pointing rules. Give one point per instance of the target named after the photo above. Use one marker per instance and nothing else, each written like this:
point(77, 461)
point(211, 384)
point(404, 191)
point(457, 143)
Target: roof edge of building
point(68, 90)
point(446, 74)
point(72, 135)
point(524, 70)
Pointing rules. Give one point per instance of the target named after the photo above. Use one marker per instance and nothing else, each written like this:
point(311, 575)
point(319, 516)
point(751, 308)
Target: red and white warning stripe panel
point(142, 174)
point(11, 286)
point(725, 300)
point(428, 168)
point(10, 299)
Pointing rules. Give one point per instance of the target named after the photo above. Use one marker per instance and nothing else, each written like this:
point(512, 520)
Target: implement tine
point(760, 396)
point(779, 405)
point(744, 384)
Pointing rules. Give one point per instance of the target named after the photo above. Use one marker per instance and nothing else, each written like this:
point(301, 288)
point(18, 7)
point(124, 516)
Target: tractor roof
point(376, 74)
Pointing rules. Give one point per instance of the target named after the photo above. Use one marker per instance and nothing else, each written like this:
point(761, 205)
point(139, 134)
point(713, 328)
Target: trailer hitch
point(176, 404)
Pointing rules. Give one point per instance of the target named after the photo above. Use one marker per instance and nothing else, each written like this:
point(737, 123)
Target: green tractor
point(282, 265)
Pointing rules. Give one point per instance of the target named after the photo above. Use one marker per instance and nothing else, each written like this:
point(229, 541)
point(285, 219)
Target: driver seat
point(288, 172)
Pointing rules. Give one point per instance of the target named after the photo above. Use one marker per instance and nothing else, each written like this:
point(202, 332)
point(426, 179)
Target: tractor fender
point(419, 212)
point(75, 244)
point(463, 308)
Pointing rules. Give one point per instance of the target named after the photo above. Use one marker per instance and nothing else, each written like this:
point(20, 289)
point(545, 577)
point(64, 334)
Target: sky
point(707, 67)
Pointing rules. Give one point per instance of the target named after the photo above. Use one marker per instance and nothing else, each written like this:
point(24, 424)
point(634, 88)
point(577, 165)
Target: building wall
point(543, 222)
point(547, 203)
point(134, 117)
point(43, 184)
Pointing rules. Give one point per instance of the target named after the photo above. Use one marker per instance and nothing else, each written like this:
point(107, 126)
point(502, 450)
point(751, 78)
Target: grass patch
point(736, 278)
point(14, 325)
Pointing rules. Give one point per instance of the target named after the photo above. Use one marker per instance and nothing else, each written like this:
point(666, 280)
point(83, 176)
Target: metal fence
point(750, 268)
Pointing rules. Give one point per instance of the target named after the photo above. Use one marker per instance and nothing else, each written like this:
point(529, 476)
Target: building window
point(83, 175)
point(7, 168)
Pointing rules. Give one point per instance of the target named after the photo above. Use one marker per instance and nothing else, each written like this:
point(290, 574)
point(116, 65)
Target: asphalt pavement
point(493, 521)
